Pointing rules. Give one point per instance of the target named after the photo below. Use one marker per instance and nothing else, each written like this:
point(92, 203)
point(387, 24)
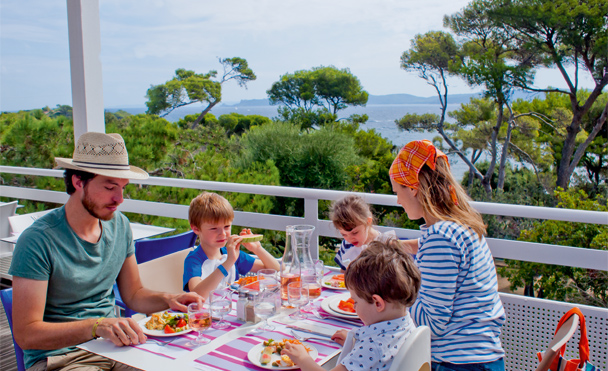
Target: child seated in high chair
point(383, 282)
point(218, 261)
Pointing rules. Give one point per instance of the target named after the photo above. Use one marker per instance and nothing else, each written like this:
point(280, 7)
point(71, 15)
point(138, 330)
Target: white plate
point(325, 283)
point(255, 354)
point(330, 305)
point(160, 333)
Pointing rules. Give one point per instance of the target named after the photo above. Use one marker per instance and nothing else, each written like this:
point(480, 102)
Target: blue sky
point(143, 42)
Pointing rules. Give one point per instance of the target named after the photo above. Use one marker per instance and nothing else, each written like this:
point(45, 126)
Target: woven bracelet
point(94, 332)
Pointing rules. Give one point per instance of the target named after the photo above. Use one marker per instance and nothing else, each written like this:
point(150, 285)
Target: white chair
point(164, 273)
point(6, 209)
point(160, 274)
point(19, 223)
point(415, 353)
point(561, 337)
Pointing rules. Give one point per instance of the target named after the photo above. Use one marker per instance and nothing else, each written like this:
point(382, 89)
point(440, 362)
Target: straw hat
point(103, 154)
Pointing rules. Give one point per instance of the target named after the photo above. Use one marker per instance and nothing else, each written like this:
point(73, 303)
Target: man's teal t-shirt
point(80, 274)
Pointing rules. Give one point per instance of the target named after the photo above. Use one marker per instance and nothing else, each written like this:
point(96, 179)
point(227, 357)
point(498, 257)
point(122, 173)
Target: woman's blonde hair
point(349, 212)
point(436, 201)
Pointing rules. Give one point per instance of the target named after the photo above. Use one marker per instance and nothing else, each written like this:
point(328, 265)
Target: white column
point(85, 66)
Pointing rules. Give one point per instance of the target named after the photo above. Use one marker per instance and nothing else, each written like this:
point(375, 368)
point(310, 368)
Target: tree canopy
point(559, 34)
point(188, 87)
point(328, 88)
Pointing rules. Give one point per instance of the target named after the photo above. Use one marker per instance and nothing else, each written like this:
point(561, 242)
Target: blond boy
point(218, 261)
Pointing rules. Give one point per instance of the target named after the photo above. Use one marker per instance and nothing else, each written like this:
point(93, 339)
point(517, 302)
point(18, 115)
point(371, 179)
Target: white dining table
point(139, 231)
point(228, 348)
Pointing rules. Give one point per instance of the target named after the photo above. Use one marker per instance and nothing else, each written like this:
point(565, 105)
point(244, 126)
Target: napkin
point(349, 343)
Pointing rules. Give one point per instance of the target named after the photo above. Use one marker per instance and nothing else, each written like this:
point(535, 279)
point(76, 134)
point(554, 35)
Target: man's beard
point(90, 205)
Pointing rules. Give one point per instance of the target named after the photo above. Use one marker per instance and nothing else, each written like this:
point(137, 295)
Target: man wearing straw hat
point(66, 263)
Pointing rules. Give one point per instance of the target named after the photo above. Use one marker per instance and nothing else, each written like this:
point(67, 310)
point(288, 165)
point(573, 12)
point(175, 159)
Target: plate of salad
point(335, 282)
point(165, 324)
point(268, 354)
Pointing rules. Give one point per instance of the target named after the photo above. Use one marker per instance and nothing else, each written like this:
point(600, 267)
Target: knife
point(309, 331)
point(353, 322)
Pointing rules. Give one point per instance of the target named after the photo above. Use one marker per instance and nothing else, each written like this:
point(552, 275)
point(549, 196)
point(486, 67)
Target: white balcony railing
point(530, 321)
point(508, 249)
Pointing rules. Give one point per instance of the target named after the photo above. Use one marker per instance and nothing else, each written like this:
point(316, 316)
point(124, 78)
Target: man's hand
point(121, 331)
point(340, 337)
point(180, 302)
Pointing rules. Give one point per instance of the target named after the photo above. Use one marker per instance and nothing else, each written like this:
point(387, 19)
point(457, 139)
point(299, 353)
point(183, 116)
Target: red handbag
point(562, 364)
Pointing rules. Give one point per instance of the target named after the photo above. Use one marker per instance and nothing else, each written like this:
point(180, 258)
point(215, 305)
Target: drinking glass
point(221, 304)
point(297, 295)
point(314, 284)
point(265, 306)
point(268, 280)
point(199, 319)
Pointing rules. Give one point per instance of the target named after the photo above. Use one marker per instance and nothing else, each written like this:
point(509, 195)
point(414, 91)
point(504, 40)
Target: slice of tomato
point(169, 330)
point(347, 306)
point(181, 323)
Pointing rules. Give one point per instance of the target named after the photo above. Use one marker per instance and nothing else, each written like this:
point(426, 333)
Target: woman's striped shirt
point(458, 296)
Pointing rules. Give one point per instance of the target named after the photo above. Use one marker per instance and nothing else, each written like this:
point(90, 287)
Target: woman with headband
point(458, 297)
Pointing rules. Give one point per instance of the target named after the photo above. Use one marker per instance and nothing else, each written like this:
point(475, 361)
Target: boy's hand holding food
point(253, 247)
point(297, 353)
point(233, 243)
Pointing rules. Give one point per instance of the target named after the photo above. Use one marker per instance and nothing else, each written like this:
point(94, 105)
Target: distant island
point(390, 99)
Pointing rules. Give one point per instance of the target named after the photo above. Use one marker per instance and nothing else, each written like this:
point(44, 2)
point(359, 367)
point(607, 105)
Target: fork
point(161, 343)
point(306, 338)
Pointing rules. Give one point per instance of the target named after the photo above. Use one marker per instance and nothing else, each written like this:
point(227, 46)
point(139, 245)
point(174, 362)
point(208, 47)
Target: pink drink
point(286, 280)
point(200, 321)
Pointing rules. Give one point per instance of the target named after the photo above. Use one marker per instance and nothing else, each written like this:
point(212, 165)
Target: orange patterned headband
point(412, 157)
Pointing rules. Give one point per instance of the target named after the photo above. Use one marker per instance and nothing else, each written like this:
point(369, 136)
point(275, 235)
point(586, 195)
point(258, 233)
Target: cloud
point(144, 41)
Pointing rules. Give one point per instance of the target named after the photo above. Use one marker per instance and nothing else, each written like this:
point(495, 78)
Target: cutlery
point(161, 343)
point(309, 331)
point(306, 338)
point(343, 320)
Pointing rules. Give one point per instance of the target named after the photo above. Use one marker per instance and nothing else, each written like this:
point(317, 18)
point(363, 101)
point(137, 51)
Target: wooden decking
point(7, 352)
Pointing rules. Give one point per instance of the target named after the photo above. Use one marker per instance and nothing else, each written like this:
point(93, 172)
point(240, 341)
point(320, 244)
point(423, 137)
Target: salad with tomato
point(170, 323)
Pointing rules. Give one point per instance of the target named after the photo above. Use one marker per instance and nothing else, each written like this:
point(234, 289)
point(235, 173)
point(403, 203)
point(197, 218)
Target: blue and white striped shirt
point(458, 296)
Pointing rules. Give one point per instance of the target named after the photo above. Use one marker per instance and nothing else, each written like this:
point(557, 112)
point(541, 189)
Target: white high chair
point(415, 353)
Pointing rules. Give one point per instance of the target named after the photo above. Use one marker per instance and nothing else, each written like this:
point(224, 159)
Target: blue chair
point(6, 296)
point(153, 248)
point(148, 249)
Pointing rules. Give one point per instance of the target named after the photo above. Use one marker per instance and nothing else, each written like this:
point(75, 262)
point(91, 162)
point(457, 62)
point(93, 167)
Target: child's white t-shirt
point(376, 345)
point(348, 252)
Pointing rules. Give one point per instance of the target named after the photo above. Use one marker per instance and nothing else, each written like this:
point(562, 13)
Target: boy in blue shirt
point(218, 261)
point(383, 281)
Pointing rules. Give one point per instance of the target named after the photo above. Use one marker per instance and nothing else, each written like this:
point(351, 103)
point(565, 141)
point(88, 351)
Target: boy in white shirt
point(383, 281)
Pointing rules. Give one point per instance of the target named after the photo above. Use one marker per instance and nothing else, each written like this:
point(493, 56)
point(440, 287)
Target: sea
point(381, 118)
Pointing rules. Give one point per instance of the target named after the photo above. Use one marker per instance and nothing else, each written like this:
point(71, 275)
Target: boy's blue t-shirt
point(195, 259)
